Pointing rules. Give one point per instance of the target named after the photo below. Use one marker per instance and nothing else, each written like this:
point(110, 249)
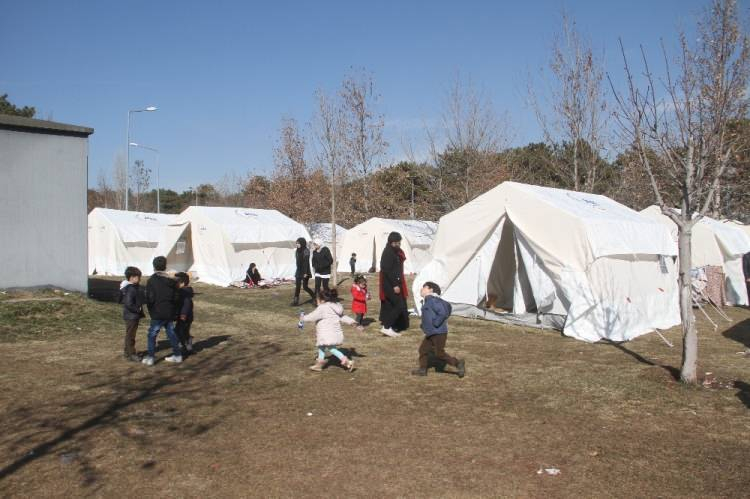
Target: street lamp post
point(155, 150)
point(127, 165)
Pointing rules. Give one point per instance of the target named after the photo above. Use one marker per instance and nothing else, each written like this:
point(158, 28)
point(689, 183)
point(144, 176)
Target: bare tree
point(120, 180)
point(461, 148)
point(290, 173)
point(363, 127)
point(102, 185)
point(577, 108)
point(329, 134)
point(140, 179)
point(688, 128)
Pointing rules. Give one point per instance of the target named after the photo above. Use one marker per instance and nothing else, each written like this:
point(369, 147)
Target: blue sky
point(223, 74)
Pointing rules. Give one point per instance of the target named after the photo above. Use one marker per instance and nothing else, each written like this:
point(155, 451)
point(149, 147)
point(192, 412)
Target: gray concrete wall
point(43, 181)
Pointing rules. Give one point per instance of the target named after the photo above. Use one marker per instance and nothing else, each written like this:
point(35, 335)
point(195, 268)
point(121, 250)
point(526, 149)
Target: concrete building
point(43, 182)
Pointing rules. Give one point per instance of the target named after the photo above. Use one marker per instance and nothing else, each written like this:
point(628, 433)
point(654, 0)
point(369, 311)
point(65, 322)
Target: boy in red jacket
point(359, 300)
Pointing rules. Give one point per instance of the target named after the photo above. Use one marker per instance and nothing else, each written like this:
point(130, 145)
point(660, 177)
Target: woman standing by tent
point(394, 313)
point(302, 275)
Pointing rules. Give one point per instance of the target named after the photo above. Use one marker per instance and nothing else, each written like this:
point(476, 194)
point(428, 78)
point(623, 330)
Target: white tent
point(574, 261)
point(218, 244)
point(118, 239)
point(715, 243)
point(369, 238)
point(324, 232)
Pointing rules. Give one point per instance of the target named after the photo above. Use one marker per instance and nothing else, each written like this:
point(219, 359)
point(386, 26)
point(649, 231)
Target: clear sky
point(223, 73)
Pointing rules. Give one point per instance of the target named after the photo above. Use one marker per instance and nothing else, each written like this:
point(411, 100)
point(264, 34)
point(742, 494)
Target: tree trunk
point(334, 271)
point(575, 165)
point(688, 372)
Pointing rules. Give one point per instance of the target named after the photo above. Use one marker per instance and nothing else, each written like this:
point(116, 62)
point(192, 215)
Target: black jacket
point(322, 260)
point(185, 302)
point(253, 276)
point(131, 298)
point(161, 297)
point(746, 265)
point(392, 269)
point(303, 263)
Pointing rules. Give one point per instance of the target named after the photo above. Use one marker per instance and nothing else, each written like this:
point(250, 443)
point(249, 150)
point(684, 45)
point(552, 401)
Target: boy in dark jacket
point(435, 313)
point(161, 298)
point(184, 311)
point(131, 298)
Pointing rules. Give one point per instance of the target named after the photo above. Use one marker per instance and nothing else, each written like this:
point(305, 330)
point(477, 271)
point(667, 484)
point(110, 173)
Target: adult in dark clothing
point(302, 275)
point(252, 274)
point(746, 271)
point(394, 313)
point(321, 262)
point(184, 310)
point(161, 299)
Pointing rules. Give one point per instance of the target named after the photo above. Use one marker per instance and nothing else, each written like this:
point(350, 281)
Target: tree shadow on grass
point(198, 346)
point(147, 397)
point(740, 333)
point(744, 392)
point(673, 371)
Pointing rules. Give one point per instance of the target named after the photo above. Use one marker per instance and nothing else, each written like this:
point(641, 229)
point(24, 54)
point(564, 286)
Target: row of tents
point(217, 244)
point(578, 262)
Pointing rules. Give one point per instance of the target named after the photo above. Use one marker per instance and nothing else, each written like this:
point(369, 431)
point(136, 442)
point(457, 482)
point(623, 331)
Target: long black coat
point(322, 261)
point(303, 263)
point(393, 310)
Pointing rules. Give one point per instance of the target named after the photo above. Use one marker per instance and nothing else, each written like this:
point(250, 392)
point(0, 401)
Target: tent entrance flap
point(180, 257)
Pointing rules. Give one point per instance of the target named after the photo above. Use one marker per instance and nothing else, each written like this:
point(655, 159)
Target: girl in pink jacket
point(328, 318)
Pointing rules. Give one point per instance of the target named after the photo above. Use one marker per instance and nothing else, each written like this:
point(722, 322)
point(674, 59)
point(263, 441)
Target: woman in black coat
point(302, 275)
point(321, 262)
point(394, 314)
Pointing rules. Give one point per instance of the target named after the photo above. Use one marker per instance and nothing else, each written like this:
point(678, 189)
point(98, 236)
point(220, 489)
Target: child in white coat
point(328, 317)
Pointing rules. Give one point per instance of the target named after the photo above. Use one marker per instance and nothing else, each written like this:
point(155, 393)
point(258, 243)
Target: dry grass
point(233, 419)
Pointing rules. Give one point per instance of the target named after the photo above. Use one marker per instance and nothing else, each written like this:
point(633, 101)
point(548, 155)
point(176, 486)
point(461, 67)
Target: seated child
point(360, 295)
point(252, 275)
point(184, 311)
point(435, 313)
point(328, 317)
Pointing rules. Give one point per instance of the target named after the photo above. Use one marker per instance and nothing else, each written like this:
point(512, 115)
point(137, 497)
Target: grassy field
point(244, 416)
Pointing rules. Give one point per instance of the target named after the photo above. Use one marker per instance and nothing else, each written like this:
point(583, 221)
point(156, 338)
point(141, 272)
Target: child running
point(435, 313)
point(360, 295)
point(328, 317)
point(184, 312)
point(131, 298)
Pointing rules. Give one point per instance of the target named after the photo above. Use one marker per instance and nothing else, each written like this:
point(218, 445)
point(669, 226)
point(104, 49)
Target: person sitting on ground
point(328, 317)
point(360, 295)
point(131, 298)
point(184, 312)
point(435, 313)
point(161, 299)
point(252, 275)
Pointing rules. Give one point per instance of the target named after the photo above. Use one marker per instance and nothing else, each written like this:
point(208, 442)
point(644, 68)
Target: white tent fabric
point(118, 239)
point(715, 243)
point(324, 232)
point(368, 239)
point(217, 244)
point(599, 268)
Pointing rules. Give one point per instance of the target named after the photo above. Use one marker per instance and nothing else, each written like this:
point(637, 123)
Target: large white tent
point(217, 244)
point(715, 243)
point(118, 239)
point(579, 262)
point(324, 232)
point(369, 238)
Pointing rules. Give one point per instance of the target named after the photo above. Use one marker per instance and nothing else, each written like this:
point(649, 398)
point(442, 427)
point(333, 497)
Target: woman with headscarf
point(394, 313)
point(302, 275)
point(252, 275)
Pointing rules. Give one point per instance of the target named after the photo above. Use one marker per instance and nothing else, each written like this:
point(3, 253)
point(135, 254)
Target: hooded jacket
point(131, 298)
point(185, 303)
point(322, 260)
point(435, 313)
point(302, 256)
point(161, 296)
point(328, 318)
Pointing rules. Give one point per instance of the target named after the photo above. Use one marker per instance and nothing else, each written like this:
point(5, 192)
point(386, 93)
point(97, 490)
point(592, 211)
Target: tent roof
point(417, 232)
point(247, 225)
point(135, 226)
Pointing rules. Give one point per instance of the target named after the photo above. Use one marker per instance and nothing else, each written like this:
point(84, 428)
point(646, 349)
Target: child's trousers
point(182, 330)
point(435, 343)
point(130, 328)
